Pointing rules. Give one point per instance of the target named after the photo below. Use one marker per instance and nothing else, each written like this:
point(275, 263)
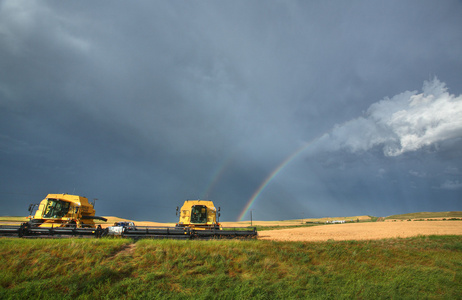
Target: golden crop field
point(364, 231)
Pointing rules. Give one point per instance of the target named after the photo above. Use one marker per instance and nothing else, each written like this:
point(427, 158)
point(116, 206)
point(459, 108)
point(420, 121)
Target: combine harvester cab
point(58, 215)
point(198, 215)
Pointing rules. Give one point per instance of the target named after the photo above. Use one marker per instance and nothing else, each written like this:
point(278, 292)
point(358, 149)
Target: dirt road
point(364, 231)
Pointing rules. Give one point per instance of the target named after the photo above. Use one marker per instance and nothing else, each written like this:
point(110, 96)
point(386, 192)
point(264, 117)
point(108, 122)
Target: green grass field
point(414, 268)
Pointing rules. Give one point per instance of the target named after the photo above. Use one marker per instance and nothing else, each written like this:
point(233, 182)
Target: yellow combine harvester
point(56, 215)
point(70, 215)
point(198, 220)
point(64, 210)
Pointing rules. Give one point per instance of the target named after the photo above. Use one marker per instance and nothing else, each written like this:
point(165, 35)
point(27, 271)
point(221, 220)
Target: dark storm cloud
point(143, 105)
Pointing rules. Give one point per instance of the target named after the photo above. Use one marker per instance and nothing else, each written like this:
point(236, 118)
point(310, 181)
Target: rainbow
point(273, 174)
point(216, 175)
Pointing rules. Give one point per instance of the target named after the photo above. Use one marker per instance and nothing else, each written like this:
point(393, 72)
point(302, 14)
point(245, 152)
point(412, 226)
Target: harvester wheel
point(23, 229)
point(99, 232)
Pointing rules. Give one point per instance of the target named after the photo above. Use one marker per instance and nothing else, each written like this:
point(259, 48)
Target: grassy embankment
point(420, 267)
point(447, 215)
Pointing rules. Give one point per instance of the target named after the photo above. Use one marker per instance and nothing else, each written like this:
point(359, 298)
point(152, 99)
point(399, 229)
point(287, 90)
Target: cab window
point(56, 208)
point(199, 214)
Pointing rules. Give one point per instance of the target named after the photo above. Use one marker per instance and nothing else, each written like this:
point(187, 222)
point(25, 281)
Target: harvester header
point(71, 215)
point(198, 219)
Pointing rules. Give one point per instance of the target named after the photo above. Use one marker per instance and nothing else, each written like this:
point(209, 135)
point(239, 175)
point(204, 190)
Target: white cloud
point(451, 185)
point(418, 174)
point(406, 122)
point(16, 21)
point(381, 172)
point(452, 171)
point(21, 20)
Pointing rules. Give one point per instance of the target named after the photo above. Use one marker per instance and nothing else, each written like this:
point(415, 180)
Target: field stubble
point(364, 231)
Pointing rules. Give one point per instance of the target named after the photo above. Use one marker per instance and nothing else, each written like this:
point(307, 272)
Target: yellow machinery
point(70, 215)
point(64, 210)
point(198, 214)
point(201, 218)
point(198, 219)
point(58, 215)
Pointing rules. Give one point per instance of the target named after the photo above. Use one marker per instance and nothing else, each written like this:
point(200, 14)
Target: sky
point(282, 109)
